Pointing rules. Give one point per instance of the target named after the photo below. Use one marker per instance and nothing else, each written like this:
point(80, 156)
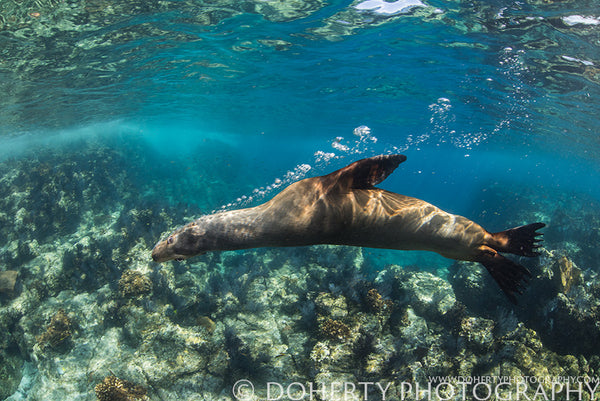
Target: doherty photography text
point(436, 388)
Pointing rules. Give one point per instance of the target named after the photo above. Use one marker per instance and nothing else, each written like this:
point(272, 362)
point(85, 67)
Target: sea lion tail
point(510, 276)
point(522, 241)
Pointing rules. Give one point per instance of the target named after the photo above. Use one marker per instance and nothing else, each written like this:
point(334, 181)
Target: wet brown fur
point(345, 208)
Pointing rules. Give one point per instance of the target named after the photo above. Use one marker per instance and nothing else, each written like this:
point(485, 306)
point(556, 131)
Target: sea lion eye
point(170, 240)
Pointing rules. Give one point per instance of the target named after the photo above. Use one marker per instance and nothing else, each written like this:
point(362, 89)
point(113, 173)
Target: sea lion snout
point(159, 252)
point(163, 252)
point(180, 245)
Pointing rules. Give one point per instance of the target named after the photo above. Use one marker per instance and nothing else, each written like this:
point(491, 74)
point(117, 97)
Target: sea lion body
point(344, 208)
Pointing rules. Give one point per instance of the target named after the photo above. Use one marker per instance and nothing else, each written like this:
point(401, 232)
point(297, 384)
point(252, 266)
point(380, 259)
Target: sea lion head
point(181, 244)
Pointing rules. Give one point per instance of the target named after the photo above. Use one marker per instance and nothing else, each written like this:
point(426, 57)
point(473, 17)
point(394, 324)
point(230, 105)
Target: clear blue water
point(519, 81)
point(473, 93)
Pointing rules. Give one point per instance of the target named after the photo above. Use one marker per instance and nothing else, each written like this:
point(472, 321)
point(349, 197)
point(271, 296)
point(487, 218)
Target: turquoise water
point(280, 82)
point(120, 121)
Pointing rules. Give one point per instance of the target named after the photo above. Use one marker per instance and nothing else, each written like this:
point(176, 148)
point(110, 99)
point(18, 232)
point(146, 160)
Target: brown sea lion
point(344, 208)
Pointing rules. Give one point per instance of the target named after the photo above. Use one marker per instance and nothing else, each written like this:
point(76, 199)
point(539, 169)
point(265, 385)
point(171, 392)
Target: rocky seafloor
point(90, 316)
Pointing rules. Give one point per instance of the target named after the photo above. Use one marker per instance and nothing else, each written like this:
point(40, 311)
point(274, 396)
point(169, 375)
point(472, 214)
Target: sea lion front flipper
point(366, 173)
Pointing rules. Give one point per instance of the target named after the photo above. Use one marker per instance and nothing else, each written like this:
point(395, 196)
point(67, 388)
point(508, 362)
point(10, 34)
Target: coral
point(298, 314)
point(377, 303)
point(334, 329)
point(332, 305)
point(114, 389)
point(134, 284)
point(58, 330)
point(478, 332)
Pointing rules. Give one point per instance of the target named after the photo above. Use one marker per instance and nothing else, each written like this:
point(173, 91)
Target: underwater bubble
point(360, 146)
point(323, 157)
point(362, 130)
point(339, 146)
point(304, 168)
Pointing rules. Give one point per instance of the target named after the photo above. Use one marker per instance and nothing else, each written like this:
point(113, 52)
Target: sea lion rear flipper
point(366, 173)
point(522, 241)
point(510, 276)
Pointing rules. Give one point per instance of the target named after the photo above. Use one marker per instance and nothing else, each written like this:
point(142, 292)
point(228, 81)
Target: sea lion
point(345, 208)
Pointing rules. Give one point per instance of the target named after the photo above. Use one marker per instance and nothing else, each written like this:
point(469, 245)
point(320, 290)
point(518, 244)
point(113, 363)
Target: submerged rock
point(8, 280)
point(10, 373)
point(331, 305)
point(477, 332)
point(429, 295)
point(566, 274)
point(322, 314)
point(475, 288)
